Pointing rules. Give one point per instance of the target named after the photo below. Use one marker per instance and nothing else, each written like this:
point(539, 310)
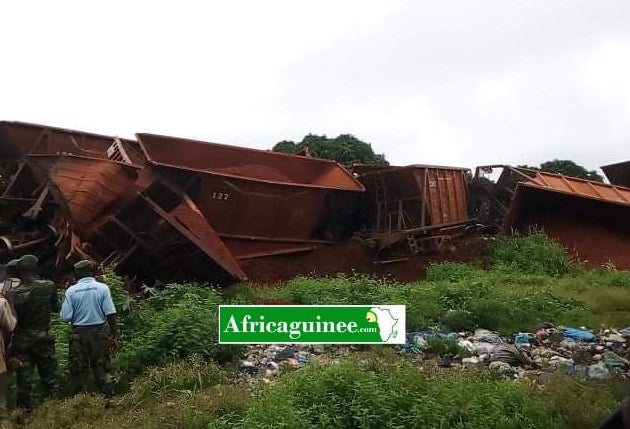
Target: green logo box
point(312, 324)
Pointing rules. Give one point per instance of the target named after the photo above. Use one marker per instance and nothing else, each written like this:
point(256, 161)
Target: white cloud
point(432, 81)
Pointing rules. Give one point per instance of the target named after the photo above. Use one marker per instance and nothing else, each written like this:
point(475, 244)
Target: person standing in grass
point(7, 326)
point(88, 305)
point(33, 344)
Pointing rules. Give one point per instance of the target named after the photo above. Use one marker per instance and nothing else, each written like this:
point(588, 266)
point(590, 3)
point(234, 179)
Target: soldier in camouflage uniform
point(33, 344)
point(88, 305)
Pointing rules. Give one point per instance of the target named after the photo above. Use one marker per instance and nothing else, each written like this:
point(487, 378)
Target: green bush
point(176, 323)
point(395, 395)
point(506, 301)
point(530, 254)
point(185, 376)
point(450, 271)
point(581, 403)
point(458, 320)
point(340, 289)
point(240, 294)
point(443, 346)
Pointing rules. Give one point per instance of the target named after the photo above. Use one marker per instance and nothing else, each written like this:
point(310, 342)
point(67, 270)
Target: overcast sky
point(463, 82)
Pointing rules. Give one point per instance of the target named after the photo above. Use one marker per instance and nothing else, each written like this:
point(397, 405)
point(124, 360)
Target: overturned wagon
point(162, 208)
point(54, 186)
point(260, 203)
point(68, 195)
point(423, 206)
point(591, 219)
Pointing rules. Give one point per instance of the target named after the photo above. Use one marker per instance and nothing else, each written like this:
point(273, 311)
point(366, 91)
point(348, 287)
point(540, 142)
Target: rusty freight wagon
point(260, 203)
point(591, 219)
point(54, 184)
point(424, 206)
point(69, 194)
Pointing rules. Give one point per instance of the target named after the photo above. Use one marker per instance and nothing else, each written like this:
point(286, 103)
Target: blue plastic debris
point(578, 334)
point(523, 338)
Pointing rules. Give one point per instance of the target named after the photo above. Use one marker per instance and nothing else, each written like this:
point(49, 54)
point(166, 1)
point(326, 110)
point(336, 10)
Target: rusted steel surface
point(165, 208)
point(21, 139)
point(597, 232)
point(67, 195)
point(257, 198)
point(152, 237)
point(591, 219)
point(88, 187)
point(169, 209)
point(249, 164)
point(407, 198)
point(580, 187)
point(618, 174)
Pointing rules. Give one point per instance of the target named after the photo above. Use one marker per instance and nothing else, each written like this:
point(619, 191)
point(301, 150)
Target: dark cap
point(81, 265)
point(28, 260)
point(12, 263)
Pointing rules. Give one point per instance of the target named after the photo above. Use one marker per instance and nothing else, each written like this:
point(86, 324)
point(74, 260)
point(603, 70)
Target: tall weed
point(530, 254)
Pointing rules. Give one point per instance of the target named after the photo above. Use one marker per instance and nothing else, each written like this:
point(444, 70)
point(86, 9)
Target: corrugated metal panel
point(447, 195)
point(580, 187)
point(618, 174)
point(416, 196)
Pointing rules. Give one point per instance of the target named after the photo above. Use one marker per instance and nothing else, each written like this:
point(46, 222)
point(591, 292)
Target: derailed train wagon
point(260, 203)
point(591, 219)
point(68, 195)
point(424, 206)
point(167, 209)
point(55, 184)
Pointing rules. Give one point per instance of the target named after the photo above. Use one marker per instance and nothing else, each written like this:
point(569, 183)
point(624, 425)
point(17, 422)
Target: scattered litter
point(574, 352)
point(614, 363)
point(598, 371)
point(578, 334)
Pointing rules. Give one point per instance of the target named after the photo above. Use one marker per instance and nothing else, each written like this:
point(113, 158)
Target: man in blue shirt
point(88, 305)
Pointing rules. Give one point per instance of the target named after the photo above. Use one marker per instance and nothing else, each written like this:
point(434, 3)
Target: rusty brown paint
point(595, 231)
point(249, 164)
point(20, 139)
point(87, 186)
point(195, 228)
point(417, 196)
point(258, 195)
point(580, 187)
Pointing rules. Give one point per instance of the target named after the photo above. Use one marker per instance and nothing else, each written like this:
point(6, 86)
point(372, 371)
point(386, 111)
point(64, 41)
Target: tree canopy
point(345, 149)
point(568, 168)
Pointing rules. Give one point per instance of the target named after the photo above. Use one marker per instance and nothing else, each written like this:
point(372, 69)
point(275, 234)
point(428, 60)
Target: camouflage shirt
point(34, 301)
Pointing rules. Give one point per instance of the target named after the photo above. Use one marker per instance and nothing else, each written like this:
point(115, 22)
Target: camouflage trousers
point(89, 349)
point(34, 349)
point(4, 384)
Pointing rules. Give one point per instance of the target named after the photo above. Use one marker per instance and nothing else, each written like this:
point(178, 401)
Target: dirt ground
point(354, 256)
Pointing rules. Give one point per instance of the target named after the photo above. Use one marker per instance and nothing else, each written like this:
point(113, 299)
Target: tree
point(570, 168)
point(345, 149)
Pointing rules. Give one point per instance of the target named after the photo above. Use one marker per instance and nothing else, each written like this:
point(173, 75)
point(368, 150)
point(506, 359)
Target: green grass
point(167, 375)
point(368, 390)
